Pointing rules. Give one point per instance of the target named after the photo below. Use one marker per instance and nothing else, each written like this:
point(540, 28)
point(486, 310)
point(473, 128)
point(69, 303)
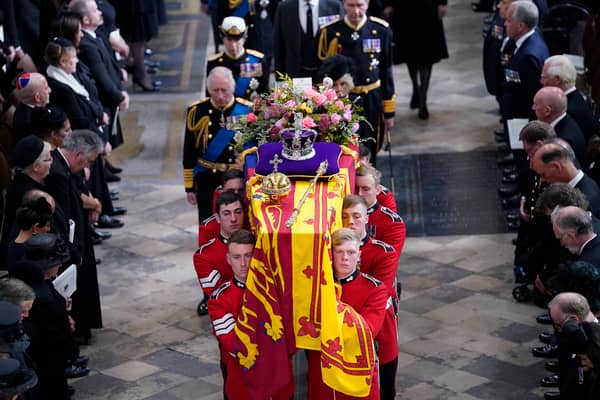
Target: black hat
point(26, 151)
point(10, 314)
point(46, 250)
point(335, 67)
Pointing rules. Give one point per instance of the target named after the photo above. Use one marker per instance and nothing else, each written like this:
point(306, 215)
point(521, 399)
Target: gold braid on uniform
point(200, 128)
point(234, 3)
point(324, 50)
point(244, 153)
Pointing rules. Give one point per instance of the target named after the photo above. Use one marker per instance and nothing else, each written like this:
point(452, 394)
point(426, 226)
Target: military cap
point(233, 27)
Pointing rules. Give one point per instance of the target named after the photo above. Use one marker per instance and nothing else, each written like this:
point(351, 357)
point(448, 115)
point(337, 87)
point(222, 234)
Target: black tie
point(309, 21)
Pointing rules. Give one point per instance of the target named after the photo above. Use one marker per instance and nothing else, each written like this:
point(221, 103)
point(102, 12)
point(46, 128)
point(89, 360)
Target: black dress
point(418, 32)
point(137, 19)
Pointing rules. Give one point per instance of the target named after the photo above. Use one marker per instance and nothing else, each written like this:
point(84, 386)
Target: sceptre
point(320, 171)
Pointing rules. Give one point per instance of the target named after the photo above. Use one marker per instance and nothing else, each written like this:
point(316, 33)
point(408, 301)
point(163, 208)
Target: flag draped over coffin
point(290, 300)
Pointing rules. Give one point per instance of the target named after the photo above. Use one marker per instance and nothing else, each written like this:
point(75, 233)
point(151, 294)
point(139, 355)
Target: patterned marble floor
point(461, 334)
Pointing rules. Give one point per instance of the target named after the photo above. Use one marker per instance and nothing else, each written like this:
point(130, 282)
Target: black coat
point(568, 130)
point(21, 122)
point(418, 32)
point(591, 252)
point(592, 193)
point(582, 114)
point(287, 33)
point(107, 75)
point(48, 327)
point(82, 112)
point(66, 190)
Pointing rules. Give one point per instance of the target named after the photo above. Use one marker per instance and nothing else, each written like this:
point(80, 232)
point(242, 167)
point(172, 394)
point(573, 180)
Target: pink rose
point(330, 94)
point(355, 127)
point(324, 122)
point(308, 122)
point(310, 93)
point(320, 99)
point(291, 104)
point(274, 134)
point(251, 118)
point(347, 115)
point(335, 118)
point(339, 104)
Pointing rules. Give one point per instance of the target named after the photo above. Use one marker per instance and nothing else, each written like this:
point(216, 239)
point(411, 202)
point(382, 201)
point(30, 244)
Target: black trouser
point(205, 183)
point(387, 380)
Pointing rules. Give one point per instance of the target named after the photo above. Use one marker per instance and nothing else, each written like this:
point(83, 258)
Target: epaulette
point(216, 56)
point(199, 102)
point(385, 190)
point(208, 220)
point(388, 211)
point(205, 245)
point(220, 290)
point(386, 247)
point(255, 53)
point(244, 101)
point(380, 21)
point(331, 23)
point(376, 281)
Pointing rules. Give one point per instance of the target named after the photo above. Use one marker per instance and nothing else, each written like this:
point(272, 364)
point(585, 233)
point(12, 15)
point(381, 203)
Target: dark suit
point(288, 34)
point(21, 122)
point(522, 77)
point(107, 74)
point(492, 72)
point(592, 193)
point(591, 252)
point(568, 130)
point(582, 114)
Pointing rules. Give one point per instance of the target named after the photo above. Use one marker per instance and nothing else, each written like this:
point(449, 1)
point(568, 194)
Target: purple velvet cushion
point(324, 151)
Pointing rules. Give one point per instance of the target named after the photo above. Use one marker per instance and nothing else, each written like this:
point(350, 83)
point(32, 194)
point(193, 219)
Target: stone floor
point(462, 335)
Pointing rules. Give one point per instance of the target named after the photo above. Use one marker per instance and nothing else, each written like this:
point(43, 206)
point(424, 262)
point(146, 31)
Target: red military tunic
point(386, 199)
point(211, 265)
point(368, 297)
point(208, 229)
point(378, 259)
point(224, 307)
point(387, 226)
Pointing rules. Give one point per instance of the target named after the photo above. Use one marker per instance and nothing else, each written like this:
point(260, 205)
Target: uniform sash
point(221, 140)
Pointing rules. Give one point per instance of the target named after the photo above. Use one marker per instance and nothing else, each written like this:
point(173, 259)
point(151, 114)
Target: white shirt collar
point(91, 33)
point(570, 90)
point(557, 120)
point(576, 179)
point(519, 42)
point(586, 242)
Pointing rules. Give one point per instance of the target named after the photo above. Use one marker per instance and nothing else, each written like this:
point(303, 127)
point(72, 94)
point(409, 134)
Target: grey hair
point(83, 140)
point(526, 12)
point(561, 67)
point(15, 291)
point(572, 218)
point(216, 71)
point(570, 303)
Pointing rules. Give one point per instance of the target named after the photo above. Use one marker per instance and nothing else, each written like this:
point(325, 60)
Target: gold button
point(230, 148)
point(214, 171)
point(209, 123)
point(230, 160)
point(337, 34)
point(374, 32)
point(368, 80)
point(220, 60)
point(247, 59)
point(372, 55)
point(210, 135)
point(339, 46)
point(370, 68)
point(247, 90)
point(210, 111)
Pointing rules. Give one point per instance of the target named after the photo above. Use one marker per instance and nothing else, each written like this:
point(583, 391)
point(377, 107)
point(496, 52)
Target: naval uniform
point(250, 65)
point(210, 263)
point(209, 148)
point(370, 46)
point(368, 297)
point(387, 226)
